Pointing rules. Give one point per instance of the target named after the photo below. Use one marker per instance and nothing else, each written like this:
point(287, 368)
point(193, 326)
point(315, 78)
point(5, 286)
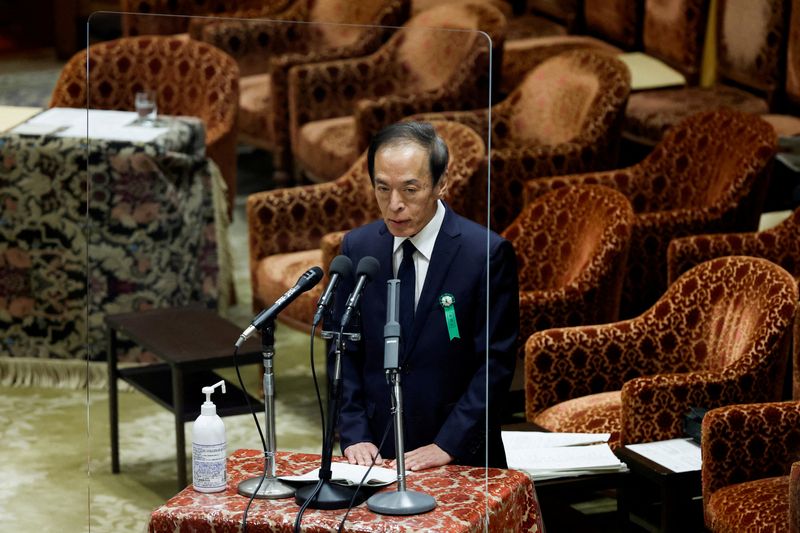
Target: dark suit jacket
point(444, 382)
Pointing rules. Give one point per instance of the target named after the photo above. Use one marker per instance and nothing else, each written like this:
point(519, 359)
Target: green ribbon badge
point(447, 300)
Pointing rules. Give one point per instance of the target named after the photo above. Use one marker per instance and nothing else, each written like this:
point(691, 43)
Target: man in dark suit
point(446, 375)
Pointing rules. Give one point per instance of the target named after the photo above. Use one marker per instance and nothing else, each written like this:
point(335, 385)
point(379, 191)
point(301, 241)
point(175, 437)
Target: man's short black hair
point(419, 133)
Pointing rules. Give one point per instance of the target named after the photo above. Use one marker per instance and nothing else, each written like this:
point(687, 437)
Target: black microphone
point(367, 269)
point(391, 330)
point(306, 281)
point(341, 266)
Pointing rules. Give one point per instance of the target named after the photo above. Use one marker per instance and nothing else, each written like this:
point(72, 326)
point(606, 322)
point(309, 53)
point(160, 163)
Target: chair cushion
point(785, 125)
point(532, 26)
point(651, 113)
point(254, 109)
point(277, 273)
point(595, 413)
point(760, 505)
point(327, 148)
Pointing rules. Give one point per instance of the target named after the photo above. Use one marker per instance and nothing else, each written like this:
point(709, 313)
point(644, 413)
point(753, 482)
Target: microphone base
point(271, 489)
point(330, 496)
point(406, 502)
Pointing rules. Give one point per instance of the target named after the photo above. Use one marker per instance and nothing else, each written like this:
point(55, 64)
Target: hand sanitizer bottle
point(209, 447)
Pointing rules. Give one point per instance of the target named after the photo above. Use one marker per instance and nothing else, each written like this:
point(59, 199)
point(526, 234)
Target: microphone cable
point(317, 488)
point(364, 477)
point(260, 434)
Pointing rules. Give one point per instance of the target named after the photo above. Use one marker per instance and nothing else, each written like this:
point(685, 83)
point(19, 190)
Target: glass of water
point(146, 107)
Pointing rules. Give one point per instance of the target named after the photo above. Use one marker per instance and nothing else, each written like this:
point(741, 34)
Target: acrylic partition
point(233, 162)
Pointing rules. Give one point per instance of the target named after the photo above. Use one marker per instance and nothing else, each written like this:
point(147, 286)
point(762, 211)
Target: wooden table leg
point(180, 439)
point(113, 406)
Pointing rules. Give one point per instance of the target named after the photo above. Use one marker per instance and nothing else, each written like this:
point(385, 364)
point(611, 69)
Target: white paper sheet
point(347, 474)
point(543, 439)
point(103, 124)
point(594, 457)
point(11, 115)
point(647, 72)
point(679, 455)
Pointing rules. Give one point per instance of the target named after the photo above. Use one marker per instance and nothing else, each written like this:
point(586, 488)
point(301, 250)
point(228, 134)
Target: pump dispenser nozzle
point(208, 407)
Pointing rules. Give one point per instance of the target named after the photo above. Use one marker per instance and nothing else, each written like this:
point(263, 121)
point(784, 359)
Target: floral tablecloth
point(460, 494)
point(140, 232)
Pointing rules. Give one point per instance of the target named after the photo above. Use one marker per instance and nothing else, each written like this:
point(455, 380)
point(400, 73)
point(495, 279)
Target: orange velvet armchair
point(780, 244)
point(719, 336)
point(565, 117)
point(290, 230)
point(708, 175)
point(438, 60)
point(266, 49)
point(751, 468)
point(190, 78)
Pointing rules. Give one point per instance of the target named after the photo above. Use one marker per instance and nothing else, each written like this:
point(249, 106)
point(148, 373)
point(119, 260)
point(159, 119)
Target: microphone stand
point(268, 486)
point(401, 502)
point(331, 495)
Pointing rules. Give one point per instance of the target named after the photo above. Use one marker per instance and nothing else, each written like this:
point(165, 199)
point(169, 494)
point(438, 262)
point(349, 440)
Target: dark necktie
point(407, 276)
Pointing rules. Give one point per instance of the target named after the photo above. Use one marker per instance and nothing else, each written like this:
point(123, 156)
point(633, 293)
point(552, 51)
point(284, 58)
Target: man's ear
point(443, 184)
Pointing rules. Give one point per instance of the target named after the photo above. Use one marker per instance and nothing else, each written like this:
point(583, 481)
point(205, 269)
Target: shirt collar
point(426, 237)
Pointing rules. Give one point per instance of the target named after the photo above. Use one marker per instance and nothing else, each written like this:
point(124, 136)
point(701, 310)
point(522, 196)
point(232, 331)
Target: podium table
point(460, 493)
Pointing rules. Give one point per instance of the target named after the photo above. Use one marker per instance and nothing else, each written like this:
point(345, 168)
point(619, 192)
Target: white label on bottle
point(208, 465)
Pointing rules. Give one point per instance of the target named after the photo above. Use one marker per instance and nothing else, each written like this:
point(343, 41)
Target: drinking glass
point(146, 107)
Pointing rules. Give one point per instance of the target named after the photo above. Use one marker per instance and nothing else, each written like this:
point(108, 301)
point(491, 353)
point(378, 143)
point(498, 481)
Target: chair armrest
point(686, 252)
point(653, 406)
point(748, 442)
point(794, 498)
point(566, 363)
point(477, 119)
point(623, 180)
point(372, 114)
point(543, 309)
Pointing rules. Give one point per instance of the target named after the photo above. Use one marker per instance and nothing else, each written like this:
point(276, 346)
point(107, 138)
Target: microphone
point(367, 269)
point(391, 330)
point(304, 283)
point(341, 266)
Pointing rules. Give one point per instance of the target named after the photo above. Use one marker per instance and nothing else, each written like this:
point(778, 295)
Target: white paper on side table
point(102, 124)
point(347, 474)
point(679, 455)
point(546, 455)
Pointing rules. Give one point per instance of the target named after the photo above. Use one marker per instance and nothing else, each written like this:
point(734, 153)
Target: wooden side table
point(677, 492)
point(191, 341)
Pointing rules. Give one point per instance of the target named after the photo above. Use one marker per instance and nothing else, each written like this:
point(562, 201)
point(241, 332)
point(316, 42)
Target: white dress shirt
point(423, 241)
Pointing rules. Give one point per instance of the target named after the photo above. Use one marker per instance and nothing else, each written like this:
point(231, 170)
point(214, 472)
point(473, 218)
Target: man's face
point(404, 188)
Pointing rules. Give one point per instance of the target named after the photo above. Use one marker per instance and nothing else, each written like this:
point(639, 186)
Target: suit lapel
point(444, 251)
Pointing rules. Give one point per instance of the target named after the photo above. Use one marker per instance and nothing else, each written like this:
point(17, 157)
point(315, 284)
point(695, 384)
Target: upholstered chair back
point(718, 336)
point(570, 96)
point(751, 35)
point(190, 78)
point(674, 32)
point(134, 25)
point(429, 54)
point(618, 21)
point(793, 57)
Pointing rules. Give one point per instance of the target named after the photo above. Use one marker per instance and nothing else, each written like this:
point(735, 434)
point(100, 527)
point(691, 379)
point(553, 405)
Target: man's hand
point(425, 457)
point(362, 454)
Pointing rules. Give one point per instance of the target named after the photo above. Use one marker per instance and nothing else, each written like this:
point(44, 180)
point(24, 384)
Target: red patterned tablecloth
point(459, 491)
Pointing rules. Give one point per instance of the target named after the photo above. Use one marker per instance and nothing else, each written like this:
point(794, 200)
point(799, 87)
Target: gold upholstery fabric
point(571, 246)
point(421, 68)
point(708, 175)
point(137, 16)
point(717, 337)
point(565, 117)
point(751, 468)
point(305, 219)
point(780, 244)
point(190, 78)
point(750, 47)
point(266, 49)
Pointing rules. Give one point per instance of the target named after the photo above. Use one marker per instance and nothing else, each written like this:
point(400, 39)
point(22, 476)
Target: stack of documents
point(347, 474)
point(100, 124)
point(679, 455)
point(551, 455)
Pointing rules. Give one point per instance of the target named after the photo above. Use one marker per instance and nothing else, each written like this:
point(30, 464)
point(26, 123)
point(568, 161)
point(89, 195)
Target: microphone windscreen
point(341, 265)
point(368, 266)
point(311, 277)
